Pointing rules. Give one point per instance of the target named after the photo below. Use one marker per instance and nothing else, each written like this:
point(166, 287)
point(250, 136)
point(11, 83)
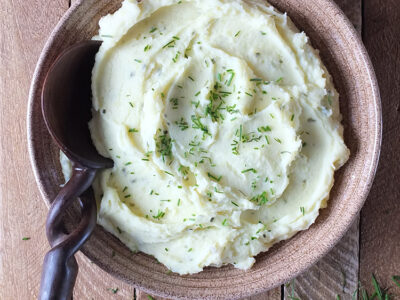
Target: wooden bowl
point(347, 60)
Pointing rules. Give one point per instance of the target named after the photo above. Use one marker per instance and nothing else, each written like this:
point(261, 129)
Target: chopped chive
point(153, 29)
point(170, 44)
point(237, 34)
point(179, 202)
point(256, 79)
point(159, 215)
point(214, 177)
point(250, 170)
point(166, 172)
point(292, 118)
point(278, 140)
point(133, 130)
point(138, 61)
point(26, 238)
point(191, 78)
point(224, 222)
point(231, 78)
point(264, 129)
point(125, 188)
point(198, 93)
point(127, 196)
point(119, 230)
point(302, 209)
point(190, 250)
point(234, 203)
point(147, 48)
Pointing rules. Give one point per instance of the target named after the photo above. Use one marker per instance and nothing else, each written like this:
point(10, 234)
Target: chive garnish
point(214, 177)
point(250, 170)
point(159, 215)
point(237, 34)
point(264, 129)
point(170, 174)
point(302, 209)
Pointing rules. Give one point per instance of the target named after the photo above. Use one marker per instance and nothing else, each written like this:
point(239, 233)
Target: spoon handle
point(60, 267)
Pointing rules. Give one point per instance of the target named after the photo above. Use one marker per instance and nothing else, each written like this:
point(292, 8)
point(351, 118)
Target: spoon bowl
point(66, 104)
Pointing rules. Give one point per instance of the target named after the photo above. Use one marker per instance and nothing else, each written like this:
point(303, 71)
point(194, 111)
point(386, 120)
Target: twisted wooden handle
point(60, 267)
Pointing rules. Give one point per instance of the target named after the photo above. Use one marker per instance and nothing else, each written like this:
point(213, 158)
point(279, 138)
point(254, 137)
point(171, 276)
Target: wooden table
point(371, 246)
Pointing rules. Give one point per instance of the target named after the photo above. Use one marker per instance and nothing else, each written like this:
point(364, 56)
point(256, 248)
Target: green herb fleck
point(159, 215)
point(182, 124)
point(26, 238)
point(250, 170)
point(164, 144)
point(214, 177)
point(264, 129)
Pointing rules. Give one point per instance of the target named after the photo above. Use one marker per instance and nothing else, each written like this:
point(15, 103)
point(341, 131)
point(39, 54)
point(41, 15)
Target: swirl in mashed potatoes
point(224, 127)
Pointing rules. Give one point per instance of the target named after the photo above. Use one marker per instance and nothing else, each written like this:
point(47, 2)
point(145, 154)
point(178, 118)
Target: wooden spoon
point(66, 107)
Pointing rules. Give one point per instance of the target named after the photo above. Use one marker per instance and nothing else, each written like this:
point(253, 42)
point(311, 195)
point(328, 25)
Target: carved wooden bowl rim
point(347, 60)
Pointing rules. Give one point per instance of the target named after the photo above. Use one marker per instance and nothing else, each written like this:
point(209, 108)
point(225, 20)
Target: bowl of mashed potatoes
point(242, 154)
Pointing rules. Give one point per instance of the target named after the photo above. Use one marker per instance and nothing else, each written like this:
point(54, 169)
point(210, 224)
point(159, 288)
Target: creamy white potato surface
point(224, 127)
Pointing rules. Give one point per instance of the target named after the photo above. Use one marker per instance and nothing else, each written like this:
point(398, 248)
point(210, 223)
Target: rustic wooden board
point(24, 28)
point(380, 218)
point(22, 213)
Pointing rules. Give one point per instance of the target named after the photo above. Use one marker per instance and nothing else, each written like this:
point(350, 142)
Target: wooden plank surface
point(24, 28)
point(380, 217)
point(22, 213)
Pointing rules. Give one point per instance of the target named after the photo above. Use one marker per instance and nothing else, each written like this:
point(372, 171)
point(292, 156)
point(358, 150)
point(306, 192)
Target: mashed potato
point(224, 127)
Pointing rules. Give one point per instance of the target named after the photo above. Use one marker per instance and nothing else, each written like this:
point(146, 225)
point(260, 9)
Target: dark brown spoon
point(66, 107)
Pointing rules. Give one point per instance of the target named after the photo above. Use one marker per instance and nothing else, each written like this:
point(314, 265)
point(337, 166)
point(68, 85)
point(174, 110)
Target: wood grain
point(380, 223)
point(22, 213)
